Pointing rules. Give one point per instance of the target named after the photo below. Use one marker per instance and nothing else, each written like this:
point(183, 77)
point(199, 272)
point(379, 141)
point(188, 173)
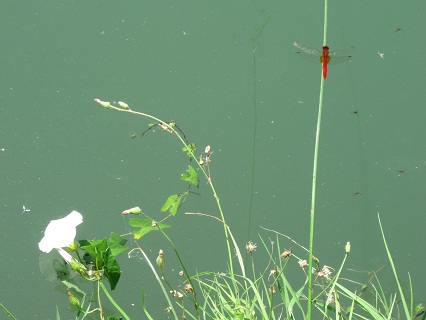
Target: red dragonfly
point(325, 56)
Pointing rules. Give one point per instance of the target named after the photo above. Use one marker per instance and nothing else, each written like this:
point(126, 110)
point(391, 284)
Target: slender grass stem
point(325, 21)
point(101, 312)
point(111, 299)
point(401, 293)
point(7, 312)
point(314, 185)
point(314, 175)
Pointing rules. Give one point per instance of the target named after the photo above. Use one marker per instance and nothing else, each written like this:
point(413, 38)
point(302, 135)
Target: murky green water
point(194, 63)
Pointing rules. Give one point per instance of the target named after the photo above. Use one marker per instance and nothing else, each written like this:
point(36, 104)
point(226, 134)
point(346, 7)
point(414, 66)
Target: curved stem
point(206, 175)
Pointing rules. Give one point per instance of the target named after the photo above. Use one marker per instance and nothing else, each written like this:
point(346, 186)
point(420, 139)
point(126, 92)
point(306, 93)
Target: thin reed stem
point(314, 176)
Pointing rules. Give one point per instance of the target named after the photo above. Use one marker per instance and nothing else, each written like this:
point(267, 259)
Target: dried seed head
point(207, 150)
point(176, 293)
point(303, 263)
point(286, 254)
point(325, 272)
point(330, 298)
point(188, 288)
point(250, 246)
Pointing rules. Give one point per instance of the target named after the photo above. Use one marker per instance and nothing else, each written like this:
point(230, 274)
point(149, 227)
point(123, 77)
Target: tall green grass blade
point(363, 304)
point(401, 293)
point(10, 315)
point(411, 295)
point(111, 299)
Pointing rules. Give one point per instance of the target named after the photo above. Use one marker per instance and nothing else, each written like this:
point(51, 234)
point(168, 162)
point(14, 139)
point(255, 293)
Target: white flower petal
point(67, 257)
point(61, 232)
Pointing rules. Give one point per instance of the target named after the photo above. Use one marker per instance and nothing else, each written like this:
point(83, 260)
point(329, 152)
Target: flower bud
point(105, 104)
point(123, 105)
point(73, 299)
point(73, 247)
point(348, 247)
point(78, 267)
point(135, 210)
point(160, 259)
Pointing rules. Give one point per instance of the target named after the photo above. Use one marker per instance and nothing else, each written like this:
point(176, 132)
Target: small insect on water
point(24, 209)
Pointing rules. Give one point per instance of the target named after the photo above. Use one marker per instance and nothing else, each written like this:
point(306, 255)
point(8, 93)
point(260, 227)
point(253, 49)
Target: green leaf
point(116, 243)
point(191, 176)
point(172, 203)
point(140, 223)
point(103, 258)
point(111, 269)
point(95, 250)
point(145, 226)
point(189, 149)
point(58, 317)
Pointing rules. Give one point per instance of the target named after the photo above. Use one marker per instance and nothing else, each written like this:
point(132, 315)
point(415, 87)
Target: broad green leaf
point(172, 203)
point(140, 223)
point(111, 268)
point(116, 243)
point(189, 149)
point(137, 234)
point(95, 250)
point(145, 226)
point(191, 176)
point(103, 258)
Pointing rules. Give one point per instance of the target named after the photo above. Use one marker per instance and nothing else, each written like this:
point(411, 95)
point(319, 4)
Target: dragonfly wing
point(341, 55)
point(314, 55)
point(334, 59)
point(306, 49)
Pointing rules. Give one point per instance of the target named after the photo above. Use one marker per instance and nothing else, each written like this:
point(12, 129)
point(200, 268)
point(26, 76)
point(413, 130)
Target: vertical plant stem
point(7, 312)
point(253, 160)
point(101, 311)
point(111, 299)
point(314, 184)
point(314, 176)
point(325, 22)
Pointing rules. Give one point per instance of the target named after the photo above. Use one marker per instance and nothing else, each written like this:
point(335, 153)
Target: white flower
point(60, 233)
